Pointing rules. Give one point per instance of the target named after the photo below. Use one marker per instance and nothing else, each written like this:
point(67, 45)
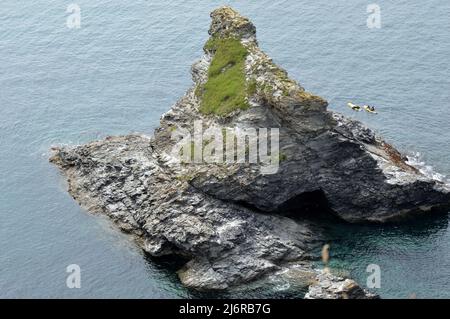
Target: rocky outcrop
point(328, 286)
point(229, 218)
point(228, 244)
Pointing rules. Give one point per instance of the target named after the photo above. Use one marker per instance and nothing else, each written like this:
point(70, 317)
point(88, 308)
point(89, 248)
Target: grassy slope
point(226, 89)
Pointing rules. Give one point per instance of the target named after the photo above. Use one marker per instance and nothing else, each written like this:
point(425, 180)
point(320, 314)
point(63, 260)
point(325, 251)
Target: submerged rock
point(227, 217)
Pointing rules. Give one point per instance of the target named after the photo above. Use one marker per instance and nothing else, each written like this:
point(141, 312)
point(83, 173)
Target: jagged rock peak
point(227, 22)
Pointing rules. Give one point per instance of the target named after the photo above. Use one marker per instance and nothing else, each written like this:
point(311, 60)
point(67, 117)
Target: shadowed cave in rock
point(310, 205)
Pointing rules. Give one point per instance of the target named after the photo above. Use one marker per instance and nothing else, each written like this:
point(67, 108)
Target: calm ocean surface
point(130, 61)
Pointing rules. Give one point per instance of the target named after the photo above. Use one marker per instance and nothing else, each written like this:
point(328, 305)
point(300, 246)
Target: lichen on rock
point(227, 22)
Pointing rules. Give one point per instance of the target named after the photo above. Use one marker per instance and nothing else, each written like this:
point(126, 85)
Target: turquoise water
point(130, 61)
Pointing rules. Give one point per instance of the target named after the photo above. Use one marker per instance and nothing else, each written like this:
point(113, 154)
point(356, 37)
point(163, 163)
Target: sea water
point(129, 62)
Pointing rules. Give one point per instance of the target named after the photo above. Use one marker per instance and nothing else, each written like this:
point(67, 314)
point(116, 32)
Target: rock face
point(228, 244)
point(227, 218)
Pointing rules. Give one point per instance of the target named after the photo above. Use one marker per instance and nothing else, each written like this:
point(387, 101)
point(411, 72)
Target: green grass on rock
point(226, 89)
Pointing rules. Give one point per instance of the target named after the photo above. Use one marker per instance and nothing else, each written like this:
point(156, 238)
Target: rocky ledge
point(234, 222)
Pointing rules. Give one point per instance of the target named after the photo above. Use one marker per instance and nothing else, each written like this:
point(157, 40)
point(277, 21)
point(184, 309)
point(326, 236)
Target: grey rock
point(228, 244)
point(328, 286)
point(226, 218)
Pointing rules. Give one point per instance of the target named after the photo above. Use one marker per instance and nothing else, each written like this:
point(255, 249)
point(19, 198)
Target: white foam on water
point(416, 160)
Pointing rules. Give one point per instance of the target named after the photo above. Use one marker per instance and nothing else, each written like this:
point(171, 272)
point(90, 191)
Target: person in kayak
point(354, 107)
point(369, 108)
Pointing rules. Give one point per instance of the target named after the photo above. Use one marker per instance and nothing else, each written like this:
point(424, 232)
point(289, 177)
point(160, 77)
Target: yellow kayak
point(367, 108)
point(354, 107)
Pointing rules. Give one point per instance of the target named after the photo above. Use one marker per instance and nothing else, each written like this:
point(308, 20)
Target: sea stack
point(229, 219)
